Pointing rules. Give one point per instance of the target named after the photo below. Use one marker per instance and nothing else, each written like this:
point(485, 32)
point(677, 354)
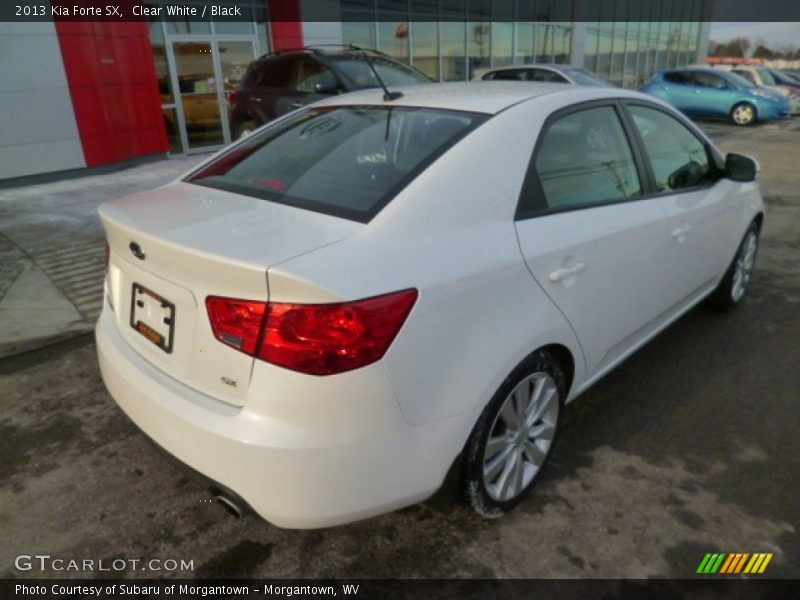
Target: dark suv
point(282, 81)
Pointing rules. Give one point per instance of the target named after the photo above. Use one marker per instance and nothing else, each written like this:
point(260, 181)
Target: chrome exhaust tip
point(231, 506)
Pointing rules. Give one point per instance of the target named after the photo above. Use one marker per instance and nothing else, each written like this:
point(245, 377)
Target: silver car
point(541, 72)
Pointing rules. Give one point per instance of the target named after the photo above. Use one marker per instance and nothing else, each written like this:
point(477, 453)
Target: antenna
point(387, 95)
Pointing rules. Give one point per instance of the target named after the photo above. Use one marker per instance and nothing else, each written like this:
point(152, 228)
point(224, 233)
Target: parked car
point(541, 73)
point(369, 299)
point(763, 77)
point(714, 93)
point(284, 81)
point(791, 85)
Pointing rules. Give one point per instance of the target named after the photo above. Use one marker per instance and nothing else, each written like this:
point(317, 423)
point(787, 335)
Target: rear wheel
point(514, 436)
point(743, 113)
point(732, 290)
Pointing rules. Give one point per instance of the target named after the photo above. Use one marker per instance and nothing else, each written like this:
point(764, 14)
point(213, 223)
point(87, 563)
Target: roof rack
point(319, 49)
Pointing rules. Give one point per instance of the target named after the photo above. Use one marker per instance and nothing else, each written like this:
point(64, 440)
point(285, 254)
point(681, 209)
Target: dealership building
point(102, 95)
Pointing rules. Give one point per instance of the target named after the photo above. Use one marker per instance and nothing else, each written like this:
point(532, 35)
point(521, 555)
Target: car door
point(270, 88)
point(589, 235)
point(714, 95)
point(686, 181)
point(678, 90)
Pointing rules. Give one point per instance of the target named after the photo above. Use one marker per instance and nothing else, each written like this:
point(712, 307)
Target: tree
point(737, 47)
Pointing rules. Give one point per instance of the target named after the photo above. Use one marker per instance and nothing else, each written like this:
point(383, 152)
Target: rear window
point(347, 161)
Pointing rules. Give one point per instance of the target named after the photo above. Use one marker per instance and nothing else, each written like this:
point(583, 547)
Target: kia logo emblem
point(136, 250)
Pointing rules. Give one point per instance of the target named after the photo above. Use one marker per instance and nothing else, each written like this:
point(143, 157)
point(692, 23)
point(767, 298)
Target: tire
point(743, 114)
point(732, 290)
point(245, 128)
point(499, 474)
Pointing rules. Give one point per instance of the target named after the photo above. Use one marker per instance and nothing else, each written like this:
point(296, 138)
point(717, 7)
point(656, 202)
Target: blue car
point(713, 93)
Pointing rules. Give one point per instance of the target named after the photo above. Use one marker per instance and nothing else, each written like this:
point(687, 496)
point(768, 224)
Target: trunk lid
point(193, 242)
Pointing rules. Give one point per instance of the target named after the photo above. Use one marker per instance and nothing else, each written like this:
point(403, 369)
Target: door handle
point(296, 104)
point(566, 272)
point(679, 232)
point(697, 91)
point(255, 98)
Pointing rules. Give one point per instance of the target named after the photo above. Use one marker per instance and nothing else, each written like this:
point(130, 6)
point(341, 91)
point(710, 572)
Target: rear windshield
point(347, 161)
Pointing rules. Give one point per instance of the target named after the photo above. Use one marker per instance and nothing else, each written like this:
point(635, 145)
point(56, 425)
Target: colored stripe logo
point(734, 562)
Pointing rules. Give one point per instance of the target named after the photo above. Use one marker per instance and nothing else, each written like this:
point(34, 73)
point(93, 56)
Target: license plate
point(153, 317)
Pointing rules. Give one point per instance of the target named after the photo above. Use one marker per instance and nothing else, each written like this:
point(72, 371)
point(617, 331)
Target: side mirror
point(327, 87)
point(740, 168)
point(688, 175)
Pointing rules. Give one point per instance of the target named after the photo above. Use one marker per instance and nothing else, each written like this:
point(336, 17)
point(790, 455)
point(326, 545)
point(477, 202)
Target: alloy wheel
point(520, 437)
point(743, 114)
point(745, 262)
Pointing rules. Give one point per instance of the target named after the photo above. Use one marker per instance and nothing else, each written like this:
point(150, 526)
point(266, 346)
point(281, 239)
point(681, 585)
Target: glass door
point(198, 95)
point(206, 74)
point(233, 57)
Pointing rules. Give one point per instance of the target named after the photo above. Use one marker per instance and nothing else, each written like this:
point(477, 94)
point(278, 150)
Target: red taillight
point(233, 97)
point(318, 339)
point(236, 322)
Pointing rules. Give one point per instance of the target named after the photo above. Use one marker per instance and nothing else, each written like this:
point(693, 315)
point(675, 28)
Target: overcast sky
point(776, 34)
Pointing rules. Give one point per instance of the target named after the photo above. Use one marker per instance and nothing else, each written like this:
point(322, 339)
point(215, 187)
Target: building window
point(425, 47)
point(453, 50)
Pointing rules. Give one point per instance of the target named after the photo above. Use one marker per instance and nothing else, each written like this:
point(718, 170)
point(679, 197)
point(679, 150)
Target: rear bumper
point(303, 452)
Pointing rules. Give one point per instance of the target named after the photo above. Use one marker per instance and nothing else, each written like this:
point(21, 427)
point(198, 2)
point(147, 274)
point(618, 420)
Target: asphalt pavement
point(691, 446)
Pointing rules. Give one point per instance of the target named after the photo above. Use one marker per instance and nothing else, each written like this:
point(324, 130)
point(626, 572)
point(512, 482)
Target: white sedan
point(367, 297)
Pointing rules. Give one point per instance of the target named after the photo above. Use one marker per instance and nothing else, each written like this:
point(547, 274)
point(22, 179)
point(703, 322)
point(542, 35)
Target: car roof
point(488, 97)
point(531, 66)
point(685, 69)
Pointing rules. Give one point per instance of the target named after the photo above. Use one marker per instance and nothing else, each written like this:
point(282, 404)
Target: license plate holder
point(153, 317)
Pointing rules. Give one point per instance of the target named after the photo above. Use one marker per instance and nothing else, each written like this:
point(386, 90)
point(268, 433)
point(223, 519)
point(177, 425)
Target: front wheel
point(732, 290)
point(514, 436)
point(245, 128)
point(743, 113)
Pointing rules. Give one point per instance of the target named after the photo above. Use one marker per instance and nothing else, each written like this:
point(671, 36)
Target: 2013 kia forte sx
point(330, 316)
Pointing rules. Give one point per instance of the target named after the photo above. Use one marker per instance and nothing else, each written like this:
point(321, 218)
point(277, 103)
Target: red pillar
point(112, 81)
point(285, 24)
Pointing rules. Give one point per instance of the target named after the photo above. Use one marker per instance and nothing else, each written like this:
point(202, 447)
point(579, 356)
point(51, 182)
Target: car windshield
point(739, 80)
point(582, 77)
point(347, 161)
point(357, 69)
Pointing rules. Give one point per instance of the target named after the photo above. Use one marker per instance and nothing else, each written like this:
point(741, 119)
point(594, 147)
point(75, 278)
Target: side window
point(548, 76)
point(679, 159)
point(276, 74)
point(584, 159)
point(510, 75)
point(746, 74)
point(679, 77)
point(710, 80)
point(310, 73)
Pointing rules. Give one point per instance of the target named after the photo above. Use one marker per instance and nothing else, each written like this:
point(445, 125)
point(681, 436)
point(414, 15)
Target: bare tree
point(737, 47)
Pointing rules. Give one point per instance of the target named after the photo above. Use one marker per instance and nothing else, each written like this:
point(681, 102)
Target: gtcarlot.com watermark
point(48, 563)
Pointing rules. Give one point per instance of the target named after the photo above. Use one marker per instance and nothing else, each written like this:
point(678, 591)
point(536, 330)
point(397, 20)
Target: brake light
point(233, 97)
point(236, 323)
point(317, 339)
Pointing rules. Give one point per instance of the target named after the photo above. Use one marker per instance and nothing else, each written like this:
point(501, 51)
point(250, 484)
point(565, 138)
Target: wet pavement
point(689, 447)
